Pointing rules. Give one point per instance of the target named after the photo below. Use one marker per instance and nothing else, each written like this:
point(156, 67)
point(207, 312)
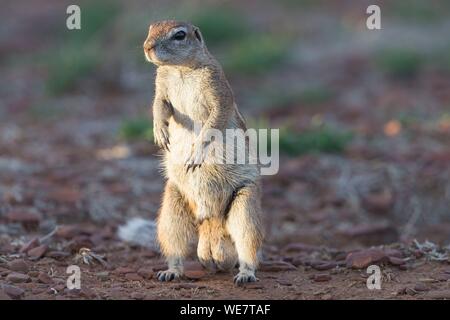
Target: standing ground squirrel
point(208, 203)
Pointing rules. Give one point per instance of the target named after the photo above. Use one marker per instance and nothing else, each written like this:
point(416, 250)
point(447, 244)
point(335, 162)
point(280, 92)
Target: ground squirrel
point(215, 206)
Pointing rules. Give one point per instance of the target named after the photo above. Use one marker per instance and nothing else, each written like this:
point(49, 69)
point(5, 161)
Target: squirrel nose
point(148, 45)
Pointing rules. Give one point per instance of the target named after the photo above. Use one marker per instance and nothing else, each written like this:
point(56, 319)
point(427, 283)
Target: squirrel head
point(174, 43)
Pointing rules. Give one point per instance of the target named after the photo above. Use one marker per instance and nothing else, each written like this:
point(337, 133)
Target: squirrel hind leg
point(215, 249)
point(204, 253)
point(244, 226)
point(176, 231)
point(224, 254)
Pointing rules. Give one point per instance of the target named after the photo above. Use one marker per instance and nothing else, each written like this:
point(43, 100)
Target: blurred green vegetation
point(281, 97)
point(45, 111)
point(418, 10)
point(137, 129)
point(220, 25)
point(258, 123)
point(441, 58)
point(255, 55)
point(79, 52)
point(320, 139)
point(407, 119)
point(304, 4)
point(401, 63)
point(315, 95)
point(68, 65)
point(95, 17)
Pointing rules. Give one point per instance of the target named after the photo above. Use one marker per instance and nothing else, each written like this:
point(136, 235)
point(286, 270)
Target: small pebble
point(16, 277)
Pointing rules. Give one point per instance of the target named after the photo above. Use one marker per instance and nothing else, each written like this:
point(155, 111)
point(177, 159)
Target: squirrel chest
point(190, 111)
point(186, 96)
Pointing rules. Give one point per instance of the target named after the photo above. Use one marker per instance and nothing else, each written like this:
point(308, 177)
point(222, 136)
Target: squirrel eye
point(180, 35)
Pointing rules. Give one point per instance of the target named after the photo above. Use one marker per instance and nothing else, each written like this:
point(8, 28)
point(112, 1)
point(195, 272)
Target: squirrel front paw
point(161, 134)
point(197, 156)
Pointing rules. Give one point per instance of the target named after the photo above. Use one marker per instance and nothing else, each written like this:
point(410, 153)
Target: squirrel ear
point(198, 34)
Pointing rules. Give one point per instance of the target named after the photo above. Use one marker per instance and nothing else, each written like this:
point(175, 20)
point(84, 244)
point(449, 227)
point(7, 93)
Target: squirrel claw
point(192, 166)
point(196, 158)
point(161, 136)
point(193, 163)
point(242, 278)
point(167, 275)
point(166, 145)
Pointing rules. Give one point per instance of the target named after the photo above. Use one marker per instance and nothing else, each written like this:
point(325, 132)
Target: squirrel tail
point(140, 232)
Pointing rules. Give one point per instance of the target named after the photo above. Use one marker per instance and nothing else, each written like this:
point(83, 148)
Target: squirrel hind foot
point(168, 275)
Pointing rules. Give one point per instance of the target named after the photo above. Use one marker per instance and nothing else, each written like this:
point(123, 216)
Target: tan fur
point(218, 204)
point(215, 248)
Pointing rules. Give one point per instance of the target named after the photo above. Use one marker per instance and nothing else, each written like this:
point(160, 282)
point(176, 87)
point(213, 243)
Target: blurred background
point(364, 115)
